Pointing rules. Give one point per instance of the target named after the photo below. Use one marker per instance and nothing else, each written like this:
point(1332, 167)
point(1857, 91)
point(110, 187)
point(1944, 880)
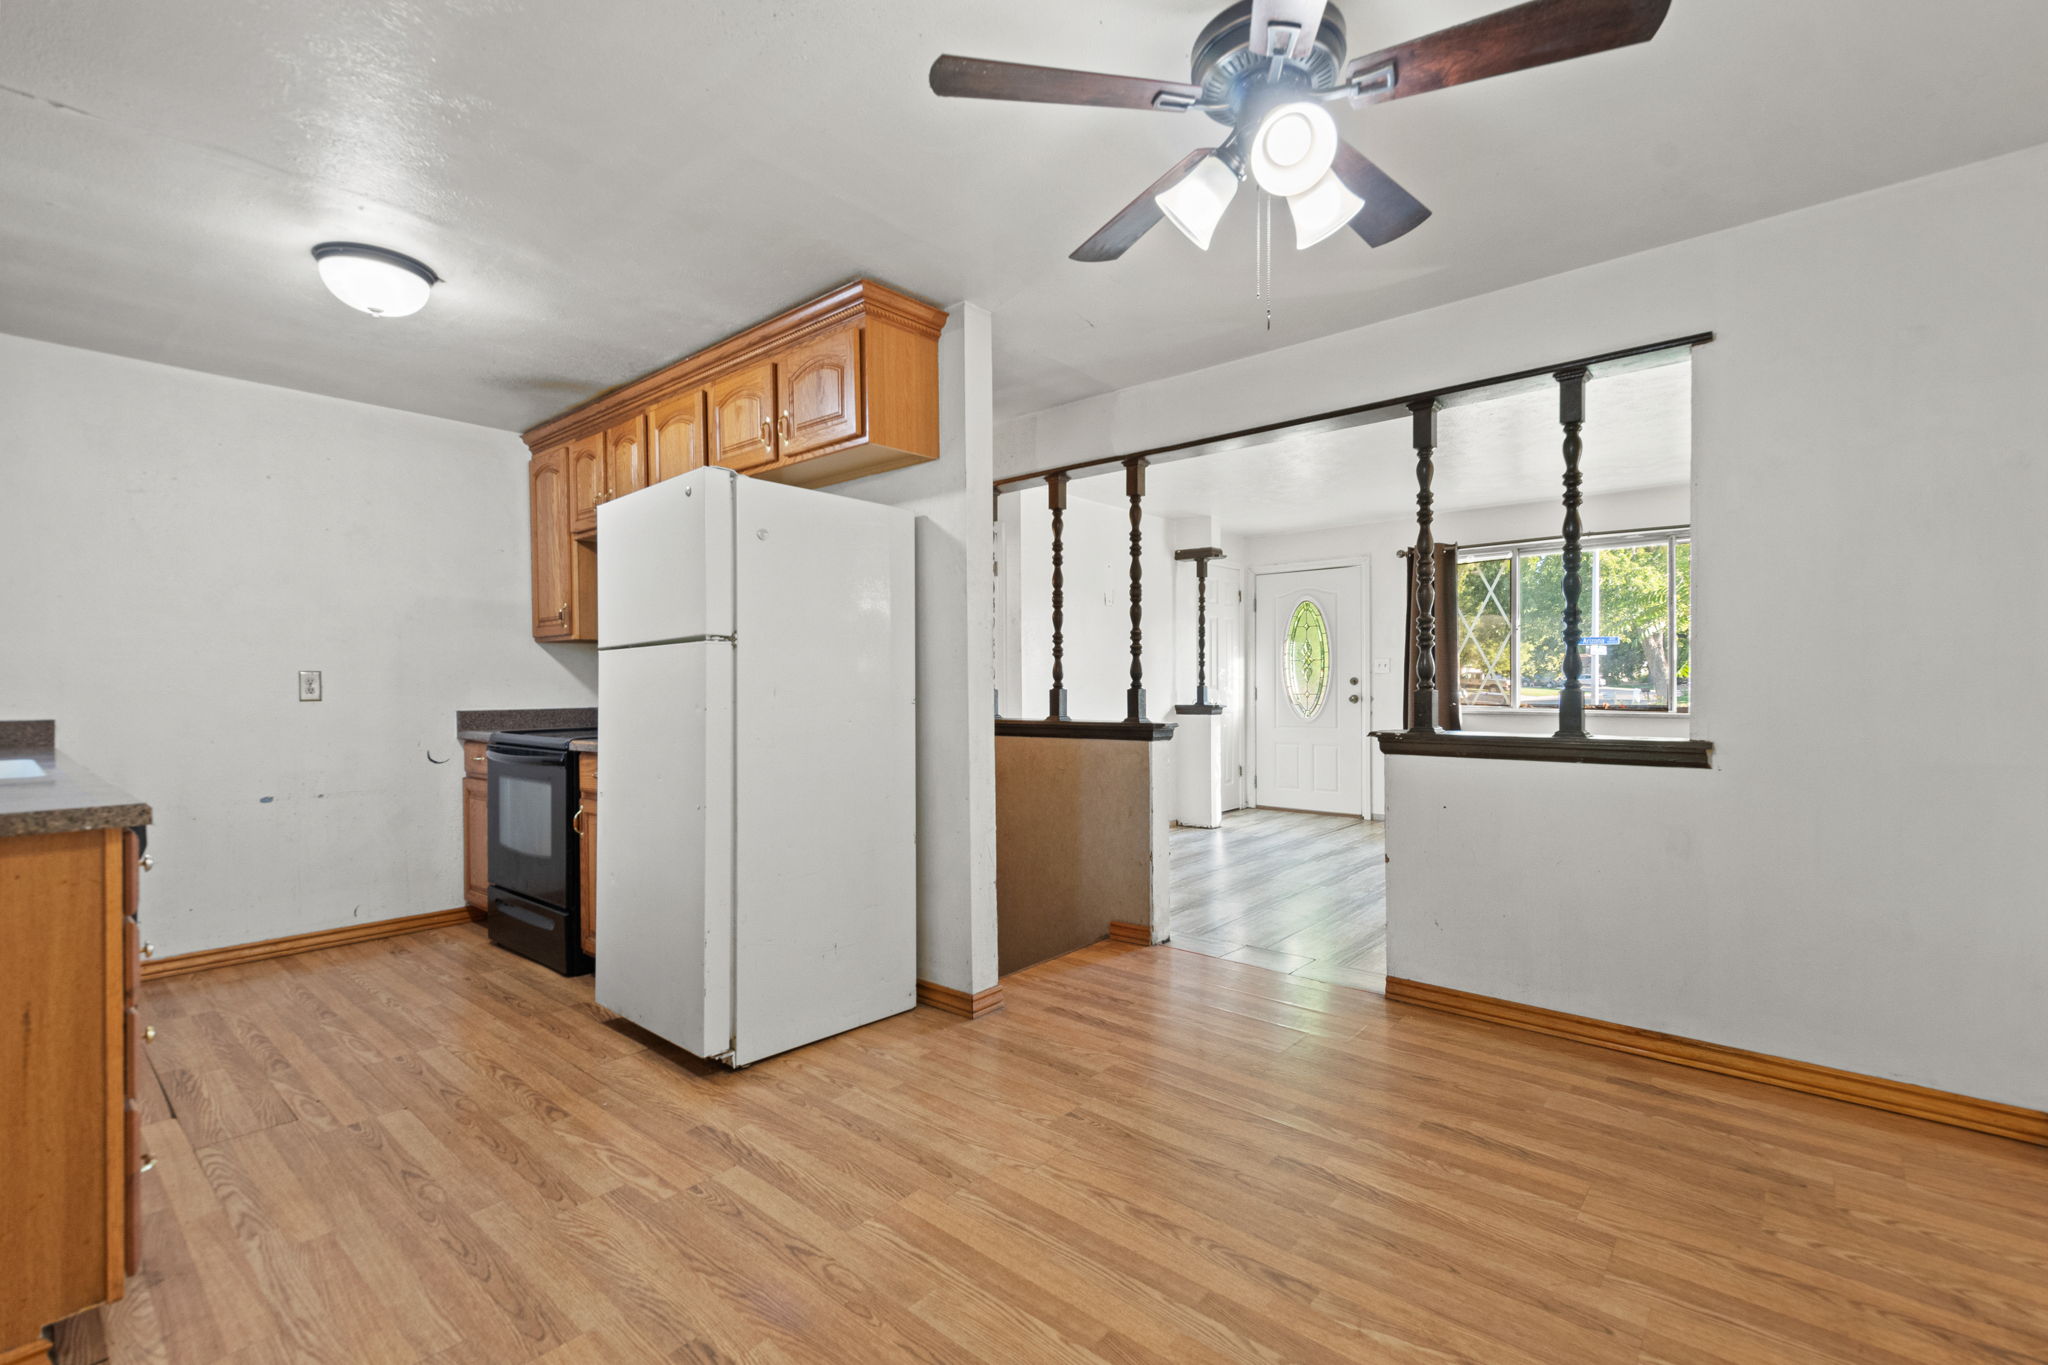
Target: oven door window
point(529, 827)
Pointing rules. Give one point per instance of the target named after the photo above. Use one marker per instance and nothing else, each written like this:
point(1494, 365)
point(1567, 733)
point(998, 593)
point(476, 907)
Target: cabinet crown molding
point(859, 300)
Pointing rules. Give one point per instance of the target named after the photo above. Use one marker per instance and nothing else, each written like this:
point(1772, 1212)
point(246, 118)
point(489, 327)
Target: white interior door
point(1309, 702)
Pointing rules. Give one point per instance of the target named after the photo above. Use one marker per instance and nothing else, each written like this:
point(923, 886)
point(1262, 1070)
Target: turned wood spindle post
point(1571, 403)
point(1422, 704)
point(1201, 558)
point(1056, 499)
point(1134, 488)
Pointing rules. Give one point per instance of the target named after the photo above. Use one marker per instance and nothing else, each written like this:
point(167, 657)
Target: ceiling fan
point(1268, 70)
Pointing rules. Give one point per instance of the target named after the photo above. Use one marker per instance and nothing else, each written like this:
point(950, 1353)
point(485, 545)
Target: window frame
point(1515, 551)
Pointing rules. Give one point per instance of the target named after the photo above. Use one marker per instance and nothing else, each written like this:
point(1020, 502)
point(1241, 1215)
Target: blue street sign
point(1600, 639)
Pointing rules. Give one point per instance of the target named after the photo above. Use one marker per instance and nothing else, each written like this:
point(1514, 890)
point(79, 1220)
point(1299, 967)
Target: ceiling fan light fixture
point(374, 280)
point(1322, 209)
point(1293, 147)
point(1196, 204)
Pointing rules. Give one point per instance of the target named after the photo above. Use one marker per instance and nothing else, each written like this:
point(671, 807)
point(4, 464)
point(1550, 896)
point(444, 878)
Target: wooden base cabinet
point(70, 1068)
point(586, 855)
point(840, 387)
point(476, 828)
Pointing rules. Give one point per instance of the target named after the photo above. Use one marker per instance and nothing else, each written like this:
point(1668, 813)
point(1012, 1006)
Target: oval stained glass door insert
point(1307, 673)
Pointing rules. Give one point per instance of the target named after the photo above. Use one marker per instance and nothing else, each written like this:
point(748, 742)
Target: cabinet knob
point(146, 862)
point(147, 1163)
point(149, 950)
point(785, 424)
point(767, 432)
point(562, 613)
point(149, 1033)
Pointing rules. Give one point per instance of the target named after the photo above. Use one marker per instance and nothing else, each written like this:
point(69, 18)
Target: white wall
point(956, 676)
point(1380, 544)
point(1858, 881)
point(175, 546)
point(1096, 609)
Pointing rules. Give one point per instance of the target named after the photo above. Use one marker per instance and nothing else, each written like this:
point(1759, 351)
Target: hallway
point(1285, 890)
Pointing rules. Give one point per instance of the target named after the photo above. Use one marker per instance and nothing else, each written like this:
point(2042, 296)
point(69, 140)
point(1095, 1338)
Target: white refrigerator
point(756, 776)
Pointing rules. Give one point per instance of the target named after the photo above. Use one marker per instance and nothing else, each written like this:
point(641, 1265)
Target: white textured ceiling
point(1489, 454)
point(607, 186)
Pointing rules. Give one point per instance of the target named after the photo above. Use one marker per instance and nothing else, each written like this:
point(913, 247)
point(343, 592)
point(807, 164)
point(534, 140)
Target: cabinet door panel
point(743, 418)
point(548, 484)
point(625, 458)
point(476, 846)
point(675, 437)
point(821, 398)
point(586, 826)
point(587, 471)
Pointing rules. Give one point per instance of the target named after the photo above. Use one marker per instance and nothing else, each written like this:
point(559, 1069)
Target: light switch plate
point(309, 684)
point(1383, 665)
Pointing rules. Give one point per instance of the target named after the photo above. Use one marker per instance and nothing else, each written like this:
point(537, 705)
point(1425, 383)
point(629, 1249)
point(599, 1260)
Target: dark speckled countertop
point(476, 727)
point(65, 798)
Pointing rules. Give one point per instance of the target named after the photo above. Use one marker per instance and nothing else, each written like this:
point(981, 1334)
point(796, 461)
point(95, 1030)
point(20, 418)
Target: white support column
point(956, 676)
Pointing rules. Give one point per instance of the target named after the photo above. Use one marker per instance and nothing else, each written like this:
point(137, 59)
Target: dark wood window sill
point(1634, 753)
point(1143, 731)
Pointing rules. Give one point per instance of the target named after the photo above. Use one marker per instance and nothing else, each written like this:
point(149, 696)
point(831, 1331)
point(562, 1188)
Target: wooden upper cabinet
point(821, 391)
point(547, 477)
point(625, 457)
point(844, 385)
point(586, 474)
point(675, 436)
point(743, 418)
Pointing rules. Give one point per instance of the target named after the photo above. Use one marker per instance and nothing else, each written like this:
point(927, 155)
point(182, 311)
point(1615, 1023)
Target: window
point(1308, 659)
point(1635, 623)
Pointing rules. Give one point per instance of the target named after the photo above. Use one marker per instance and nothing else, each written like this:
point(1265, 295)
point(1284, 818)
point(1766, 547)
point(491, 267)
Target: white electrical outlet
point(309, 684)
point(1383, 665)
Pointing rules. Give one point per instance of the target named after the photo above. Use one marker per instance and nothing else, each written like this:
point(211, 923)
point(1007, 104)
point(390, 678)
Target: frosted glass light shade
point(1292, 148)
point(1196, 204)
point(370, 279)
point(1321, 209)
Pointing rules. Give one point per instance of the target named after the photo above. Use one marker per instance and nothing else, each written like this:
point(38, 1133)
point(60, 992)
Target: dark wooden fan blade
point(1305, 17)
point(1389, 211)
point(975, 79)
point(1534, 34)
point(1139, 217)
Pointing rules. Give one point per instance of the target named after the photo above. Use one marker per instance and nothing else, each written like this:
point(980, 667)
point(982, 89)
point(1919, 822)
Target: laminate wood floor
point(1285, 890)
point(425, 1149)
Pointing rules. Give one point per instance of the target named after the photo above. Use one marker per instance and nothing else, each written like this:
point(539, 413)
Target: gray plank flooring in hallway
point(1285, 890)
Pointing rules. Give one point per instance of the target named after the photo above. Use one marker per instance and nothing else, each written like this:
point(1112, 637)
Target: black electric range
point(535, 849)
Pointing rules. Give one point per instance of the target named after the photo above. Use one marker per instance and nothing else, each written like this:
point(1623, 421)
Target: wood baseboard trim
point(1121, 931)
point(1873, 1092)
point(37, 1351)
point(960, 1002)
point(185, 963)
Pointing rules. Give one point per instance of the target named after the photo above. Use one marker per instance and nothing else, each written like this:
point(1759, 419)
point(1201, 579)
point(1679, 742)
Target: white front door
point(1309, 706)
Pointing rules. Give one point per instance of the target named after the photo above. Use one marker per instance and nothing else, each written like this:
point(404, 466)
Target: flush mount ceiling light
point(1268, 70)
point(370, 279)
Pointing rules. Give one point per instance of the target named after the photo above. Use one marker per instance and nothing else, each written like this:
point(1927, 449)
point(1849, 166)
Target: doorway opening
point(1292, 631)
